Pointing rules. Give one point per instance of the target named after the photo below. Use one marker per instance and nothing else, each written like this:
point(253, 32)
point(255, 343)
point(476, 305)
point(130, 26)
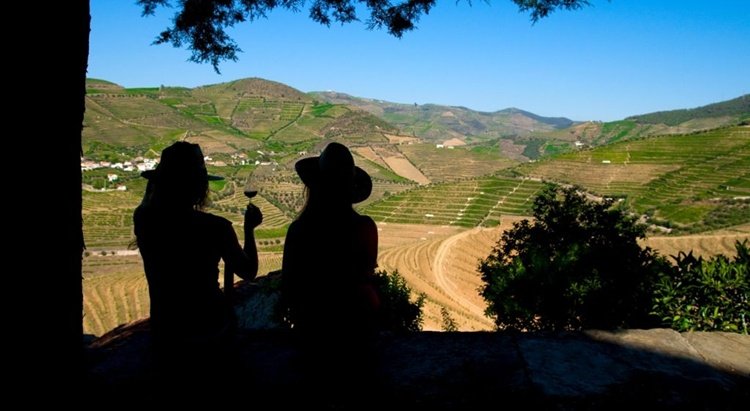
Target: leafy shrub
point(398, 313)
point(577, 265)
point(449, 324)
point(706, 295)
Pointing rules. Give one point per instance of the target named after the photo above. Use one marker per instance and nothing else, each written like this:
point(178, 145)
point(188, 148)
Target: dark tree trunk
point(69, 318)
point(53, 236)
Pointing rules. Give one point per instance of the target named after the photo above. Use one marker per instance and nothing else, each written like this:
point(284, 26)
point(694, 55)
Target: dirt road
point(443, 280)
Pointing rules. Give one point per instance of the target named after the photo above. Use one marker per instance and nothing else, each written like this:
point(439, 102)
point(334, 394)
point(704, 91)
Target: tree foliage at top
point(577, 265)
point(201, 24)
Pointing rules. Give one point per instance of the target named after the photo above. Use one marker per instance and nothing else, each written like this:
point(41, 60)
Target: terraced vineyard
point(441, 262)
point(682, 179)
point(443, 164)
point(108, 215)
point(263, 117)
point(232, 207)
point(247, 114)
point(466, 203)
point(311, 124)
point(108, 219)
point(115, 290)
point(270, 234)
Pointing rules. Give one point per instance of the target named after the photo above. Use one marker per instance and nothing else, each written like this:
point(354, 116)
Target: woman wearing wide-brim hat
point(330, 256)
point(181, 246)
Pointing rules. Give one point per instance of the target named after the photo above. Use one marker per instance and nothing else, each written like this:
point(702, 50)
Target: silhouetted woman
point(330, 256)
point(181, 247)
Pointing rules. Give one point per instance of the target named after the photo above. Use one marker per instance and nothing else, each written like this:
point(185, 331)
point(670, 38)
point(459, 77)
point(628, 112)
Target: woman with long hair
point(181, 246)
point(330, 256)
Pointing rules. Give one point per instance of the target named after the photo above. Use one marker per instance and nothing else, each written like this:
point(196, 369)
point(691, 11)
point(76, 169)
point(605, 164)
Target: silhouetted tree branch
point(542, 8)
point(200, 24)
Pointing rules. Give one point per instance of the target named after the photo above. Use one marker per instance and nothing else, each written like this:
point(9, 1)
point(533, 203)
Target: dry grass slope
point(115, 290)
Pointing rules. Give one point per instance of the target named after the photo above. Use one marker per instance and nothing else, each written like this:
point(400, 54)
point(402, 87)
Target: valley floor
point(439, 261)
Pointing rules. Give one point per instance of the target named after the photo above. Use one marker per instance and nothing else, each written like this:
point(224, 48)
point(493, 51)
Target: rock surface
point(589, 370)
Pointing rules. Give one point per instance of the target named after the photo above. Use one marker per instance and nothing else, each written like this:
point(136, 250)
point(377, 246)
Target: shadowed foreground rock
point(569, 371)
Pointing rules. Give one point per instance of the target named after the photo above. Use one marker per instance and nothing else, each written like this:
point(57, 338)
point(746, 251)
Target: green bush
point(706, 295)
point(397, 313)
point(577, 265)
point(449, 324)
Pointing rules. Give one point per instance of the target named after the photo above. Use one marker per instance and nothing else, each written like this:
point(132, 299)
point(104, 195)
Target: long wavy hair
point(179, 183)
point(158, 196)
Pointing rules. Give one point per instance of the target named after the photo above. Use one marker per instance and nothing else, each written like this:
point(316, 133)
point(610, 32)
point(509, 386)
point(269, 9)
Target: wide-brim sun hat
point(335, 166)
point(180, 161)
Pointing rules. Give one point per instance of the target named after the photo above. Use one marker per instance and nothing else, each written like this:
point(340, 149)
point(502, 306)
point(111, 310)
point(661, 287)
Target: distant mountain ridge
point(662, 123)
point(439, 122)
point(525, 135)
point(557, 122)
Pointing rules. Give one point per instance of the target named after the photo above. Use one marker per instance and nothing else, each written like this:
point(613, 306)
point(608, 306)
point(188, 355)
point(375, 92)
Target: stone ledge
point(570, 371)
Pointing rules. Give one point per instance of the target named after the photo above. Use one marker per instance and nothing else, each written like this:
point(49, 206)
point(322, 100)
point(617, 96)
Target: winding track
point(442, 278)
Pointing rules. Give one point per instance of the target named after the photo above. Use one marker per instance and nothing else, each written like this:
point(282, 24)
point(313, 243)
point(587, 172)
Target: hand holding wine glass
point(253, 215)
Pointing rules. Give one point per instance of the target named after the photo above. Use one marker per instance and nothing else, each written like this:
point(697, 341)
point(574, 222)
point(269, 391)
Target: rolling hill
point(734, 111)
point(689, 182)
point(526, 135)
point(439, 123)
point(682, 121)
point(260, 128)
point(684, 183)
point(242, 115)
point(251, 129)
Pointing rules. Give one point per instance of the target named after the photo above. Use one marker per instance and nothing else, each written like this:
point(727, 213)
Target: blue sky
point(604, 62)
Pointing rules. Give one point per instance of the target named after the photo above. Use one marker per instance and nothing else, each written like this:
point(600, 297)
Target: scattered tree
point(397, 312)
point(577, 265)
point(449, 324)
